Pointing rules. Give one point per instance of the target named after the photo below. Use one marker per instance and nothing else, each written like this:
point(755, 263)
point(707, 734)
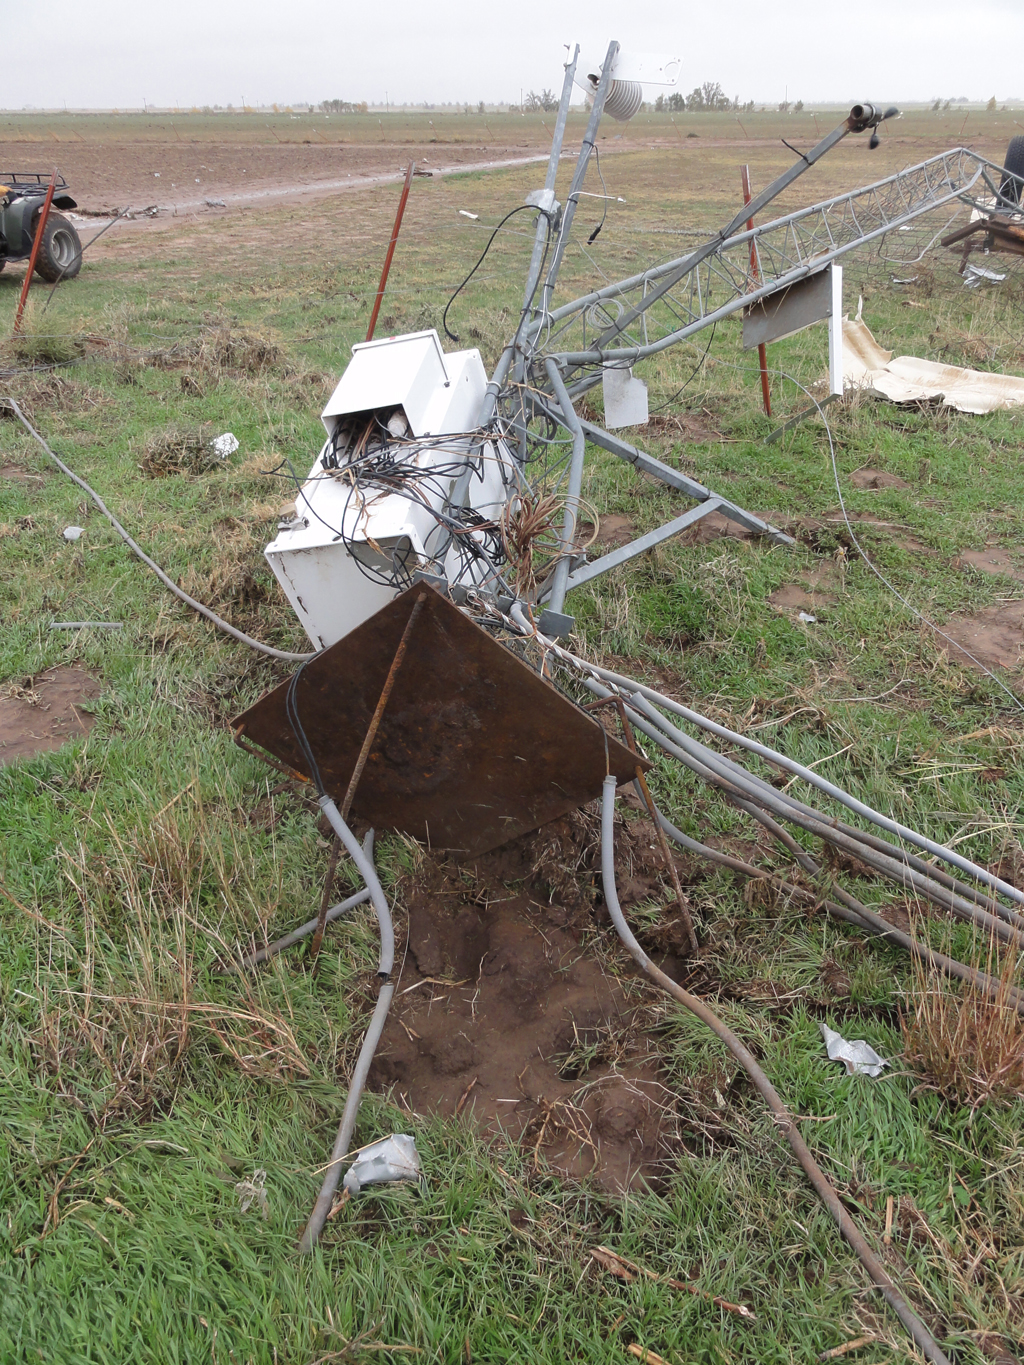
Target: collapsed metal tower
point(557, 353)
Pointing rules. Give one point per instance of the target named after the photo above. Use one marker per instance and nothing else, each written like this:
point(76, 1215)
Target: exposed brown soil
point(809, 530)
point(992, 560)
point(19, 474)
point(995, 636)
point(810, 593)
point(612, 530)
point(792, 598)
point(507, 1014)
point(43, 712)
point(686, 426)
point(713, 527)
point(876, 478)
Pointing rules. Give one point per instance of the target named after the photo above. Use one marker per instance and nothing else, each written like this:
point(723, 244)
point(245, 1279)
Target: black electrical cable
point(692, 374)
point(292, 712)
point(604, 214)
point(520, 209)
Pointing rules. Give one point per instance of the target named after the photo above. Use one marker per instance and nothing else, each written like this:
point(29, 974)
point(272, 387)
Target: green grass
point(113, 896)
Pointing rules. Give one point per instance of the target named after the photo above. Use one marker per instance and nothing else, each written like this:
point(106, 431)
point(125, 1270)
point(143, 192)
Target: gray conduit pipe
point(710, 769)
point(346, 1128)
point(763, 1085)
point(723, 773)
point(947, 855)
point(304, 930)
point(852, 912)
point(970, 894)
point(211, 616)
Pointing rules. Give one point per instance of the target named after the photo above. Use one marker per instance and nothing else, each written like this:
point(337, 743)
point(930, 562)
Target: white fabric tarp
point(908, 380)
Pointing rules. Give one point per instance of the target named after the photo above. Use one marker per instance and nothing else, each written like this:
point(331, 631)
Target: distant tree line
point(342, 107)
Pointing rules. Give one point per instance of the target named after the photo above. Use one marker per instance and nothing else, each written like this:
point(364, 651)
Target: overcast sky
point(118, 53)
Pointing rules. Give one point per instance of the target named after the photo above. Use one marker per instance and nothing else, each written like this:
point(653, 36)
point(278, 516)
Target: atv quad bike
point(21, 203)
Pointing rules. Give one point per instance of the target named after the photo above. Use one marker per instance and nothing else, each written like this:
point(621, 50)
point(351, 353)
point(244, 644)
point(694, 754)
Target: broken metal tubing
point(324, 1200)
point(822, 1185)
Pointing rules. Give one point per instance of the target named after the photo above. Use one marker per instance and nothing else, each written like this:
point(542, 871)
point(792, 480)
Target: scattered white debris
point(806, 617)
point(910, 279)
point(466, 214)
point(156, 175)
point(252, 1192)
point(907, 379)
point(225, 445)
point(977, 274)
point(392, 1158)
point(73, 532)
point(858, 1057)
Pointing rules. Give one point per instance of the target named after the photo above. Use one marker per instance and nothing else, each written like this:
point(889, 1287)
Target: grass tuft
point(966, 1045)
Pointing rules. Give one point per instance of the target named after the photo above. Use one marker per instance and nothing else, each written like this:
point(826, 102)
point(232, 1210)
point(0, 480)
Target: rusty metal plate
point(473, 749)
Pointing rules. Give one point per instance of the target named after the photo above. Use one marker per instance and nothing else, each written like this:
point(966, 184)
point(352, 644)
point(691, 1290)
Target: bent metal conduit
point(783, 1118)
point(324, 1200)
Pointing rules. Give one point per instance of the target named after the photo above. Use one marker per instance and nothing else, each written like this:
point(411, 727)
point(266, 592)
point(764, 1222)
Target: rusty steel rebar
point(36, 243)
point(357, 771)
point(762, 353)
point(391, 251)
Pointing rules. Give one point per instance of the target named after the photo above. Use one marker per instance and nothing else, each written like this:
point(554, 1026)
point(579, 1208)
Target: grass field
point(138, 1087)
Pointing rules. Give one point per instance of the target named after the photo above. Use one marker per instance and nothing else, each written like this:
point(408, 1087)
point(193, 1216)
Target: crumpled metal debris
point(974, 275)
point(251, 1192)
point(392, 1158)
point(858, 1056)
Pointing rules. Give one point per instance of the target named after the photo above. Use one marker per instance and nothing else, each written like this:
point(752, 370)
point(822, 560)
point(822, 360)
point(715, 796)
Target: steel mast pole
point(543, 236)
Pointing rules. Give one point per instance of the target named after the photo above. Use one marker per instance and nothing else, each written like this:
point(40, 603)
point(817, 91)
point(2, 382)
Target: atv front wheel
point(1010, 189)
point(60, 251)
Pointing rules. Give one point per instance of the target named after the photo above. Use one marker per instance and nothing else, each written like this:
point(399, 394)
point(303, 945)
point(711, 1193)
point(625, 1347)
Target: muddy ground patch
point(509, 1014)
point(40, 713)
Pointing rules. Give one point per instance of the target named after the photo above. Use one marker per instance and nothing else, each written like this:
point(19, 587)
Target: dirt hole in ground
point(508, 1014)
point(994, 635)
point(711, 527)
point(19, 474)
point(44, 711)
point(612, 530)
point(876, 478)
point(993, 560)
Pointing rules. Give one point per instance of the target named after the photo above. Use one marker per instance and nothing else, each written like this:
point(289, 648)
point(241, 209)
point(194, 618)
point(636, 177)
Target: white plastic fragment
point(466, 214)
point(858, 1056)
point(392, 1158)
point(806, 617)
point(625, 398)
point(73, 532)
point(225, 445)
point(251, 1192)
